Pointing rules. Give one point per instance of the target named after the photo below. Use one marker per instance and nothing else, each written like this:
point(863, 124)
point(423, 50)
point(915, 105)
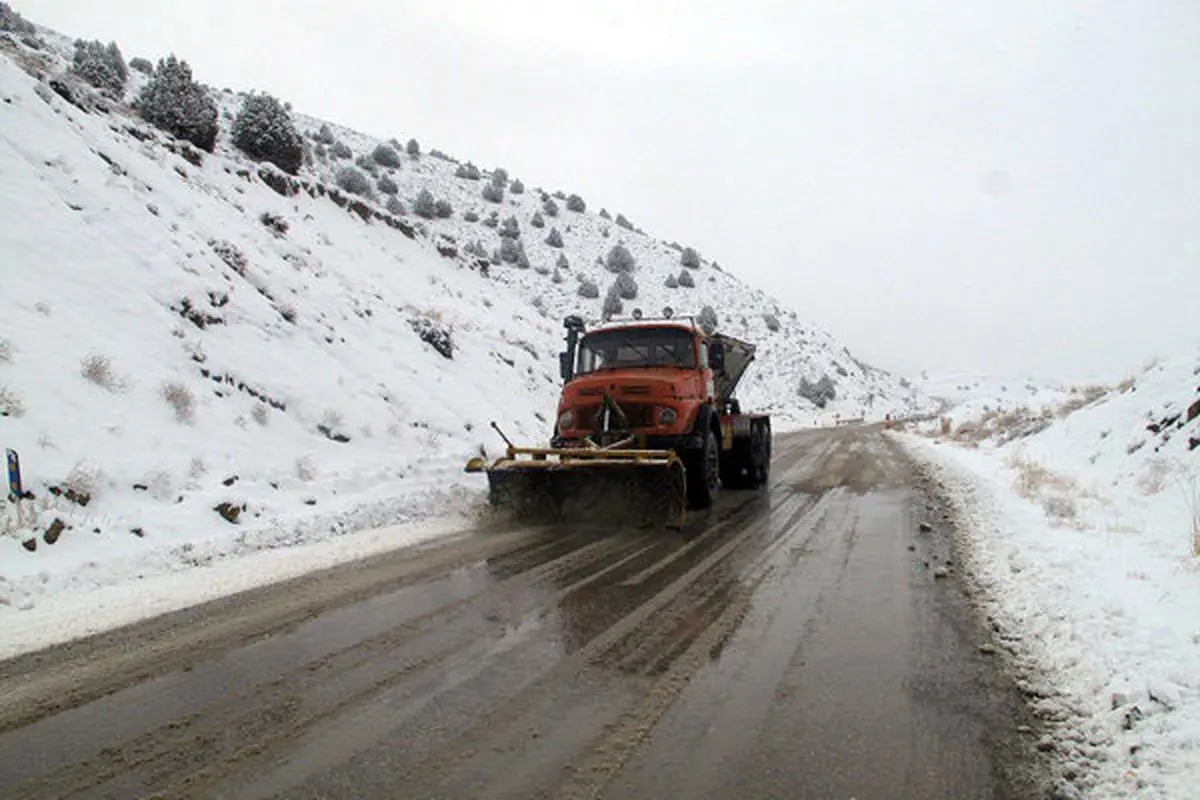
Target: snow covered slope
point(202, 356)
point(1082, 526)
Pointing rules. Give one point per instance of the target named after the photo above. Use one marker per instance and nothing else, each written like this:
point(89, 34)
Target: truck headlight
point(566, 420)
point(667, 416)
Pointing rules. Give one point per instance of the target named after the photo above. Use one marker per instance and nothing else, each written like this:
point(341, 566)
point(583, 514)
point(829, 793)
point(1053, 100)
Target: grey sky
point(1007, 187)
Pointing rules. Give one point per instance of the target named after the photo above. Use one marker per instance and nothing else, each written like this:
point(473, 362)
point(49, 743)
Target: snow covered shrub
point(434, 335)
point(260, 413)
point(425, 206)
point(549, 207)
point(306, 469)
point(471, 216)
point(537, 220)
point(772, 322)
point(385, 156)
point(516, 187)
point(12, 21)
point(707, 319)
point(510, 228)
point(274, 223)
point(467, 171)
point(354, 182)
point(341, 150)
point(619, 259)
point(612, 303)
point(142, 65)
point(413, 148)
point(671, 282)
point(685, 279)
point(367, 165)
point(819, 393)
point(10, 403)
point(588, 288)
point(100, 65)
point(228, 252)
point(562, 262)
point(394, 206)
point(604, 214)
point(173, 102)
point(690, 258)
point(98, 369)
point(626, 286)
point(500, 176)
point(624, 223)
point(181, 400)
point(263, 129)
point(510, 250)
point(522, 258)
point(324, 135)
point(443, 210)
point(557, 276)
point(386, 185)
point(493, 220)
point(575, 203)
point(493, 193)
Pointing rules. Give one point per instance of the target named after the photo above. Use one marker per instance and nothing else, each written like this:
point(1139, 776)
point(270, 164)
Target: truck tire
point(759, 468)
point(704, 473)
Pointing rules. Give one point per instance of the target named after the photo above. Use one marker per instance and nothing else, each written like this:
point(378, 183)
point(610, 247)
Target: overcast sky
point(1010, 187)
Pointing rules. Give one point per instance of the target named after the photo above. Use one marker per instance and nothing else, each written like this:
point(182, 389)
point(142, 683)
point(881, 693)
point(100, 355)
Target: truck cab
point(663, 384)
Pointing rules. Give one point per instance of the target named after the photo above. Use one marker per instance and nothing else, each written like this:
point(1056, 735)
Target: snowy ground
point(1084, 545)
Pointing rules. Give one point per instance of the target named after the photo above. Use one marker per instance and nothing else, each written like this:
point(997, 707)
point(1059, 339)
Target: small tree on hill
point(626, 286)
point(386, 185)
point(555, 238)
point(624, 223)
point(549, 207)
point(142, 65)
point(612, 303)
point(394, 206)
point(516, 187)
point(175, 103)
point(707, 319)
point(588, 289)
point(354, 182)
point(425, 206)
point(443, 210)
point(413, 148)
point(263, 129)
point(685, 279)
point(385, 156)
point(690, 258)
point(510, 228)
point(100, 65)
point(575, 203)
point(341, 150)
point(563, 262)
point(493, 193)
point(537, 220)
point(620, 259)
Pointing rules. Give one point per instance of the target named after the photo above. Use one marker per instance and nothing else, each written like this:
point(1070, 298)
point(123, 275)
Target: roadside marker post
point(15, 492)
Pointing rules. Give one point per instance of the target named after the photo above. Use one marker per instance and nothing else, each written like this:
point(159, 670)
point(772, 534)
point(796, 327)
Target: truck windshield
point(636, 347)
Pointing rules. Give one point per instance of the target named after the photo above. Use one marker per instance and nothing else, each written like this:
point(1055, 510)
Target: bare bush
point(11, 404)
point(260, 413)
point(181, 400)
point(83, 479)
point(98, 369)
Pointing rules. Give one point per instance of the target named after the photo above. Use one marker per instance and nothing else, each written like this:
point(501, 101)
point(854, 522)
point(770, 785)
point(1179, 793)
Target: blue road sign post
point(15, 492)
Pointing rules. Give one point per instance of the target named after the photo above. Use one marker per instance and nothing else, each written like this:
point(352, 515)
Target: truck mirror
point(564, 366)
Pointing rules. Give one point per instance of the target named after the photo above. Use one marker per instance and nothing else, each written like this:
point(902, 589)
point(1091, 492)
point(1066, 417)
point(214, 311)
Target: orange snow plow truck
point(647, 426)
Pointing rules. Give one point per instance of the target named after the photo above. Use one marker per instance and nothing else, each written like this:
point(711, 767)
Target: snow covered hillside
point(202, 355)
point(1082, 531)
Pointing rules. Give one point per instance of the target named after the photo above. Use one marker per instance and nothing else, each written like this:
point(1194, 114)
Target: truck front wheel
point(704, 473)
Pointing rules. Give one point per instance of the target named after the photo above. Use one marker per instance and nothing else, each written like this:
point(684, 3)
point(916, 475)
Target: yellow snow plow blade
point(642, 487)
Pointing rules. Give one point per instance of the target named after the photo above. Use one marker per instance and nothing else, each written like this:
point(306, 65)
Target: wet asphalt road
point(787, 644)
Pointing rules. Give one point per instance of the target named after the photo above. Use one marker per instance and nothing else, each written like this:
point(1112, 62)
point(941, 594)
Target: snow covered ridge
point(201, 353)
point(1081, 534)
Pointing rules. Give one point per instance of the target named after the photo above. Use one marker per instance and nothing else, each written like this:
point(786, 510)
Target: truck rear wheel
point(704, 473)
